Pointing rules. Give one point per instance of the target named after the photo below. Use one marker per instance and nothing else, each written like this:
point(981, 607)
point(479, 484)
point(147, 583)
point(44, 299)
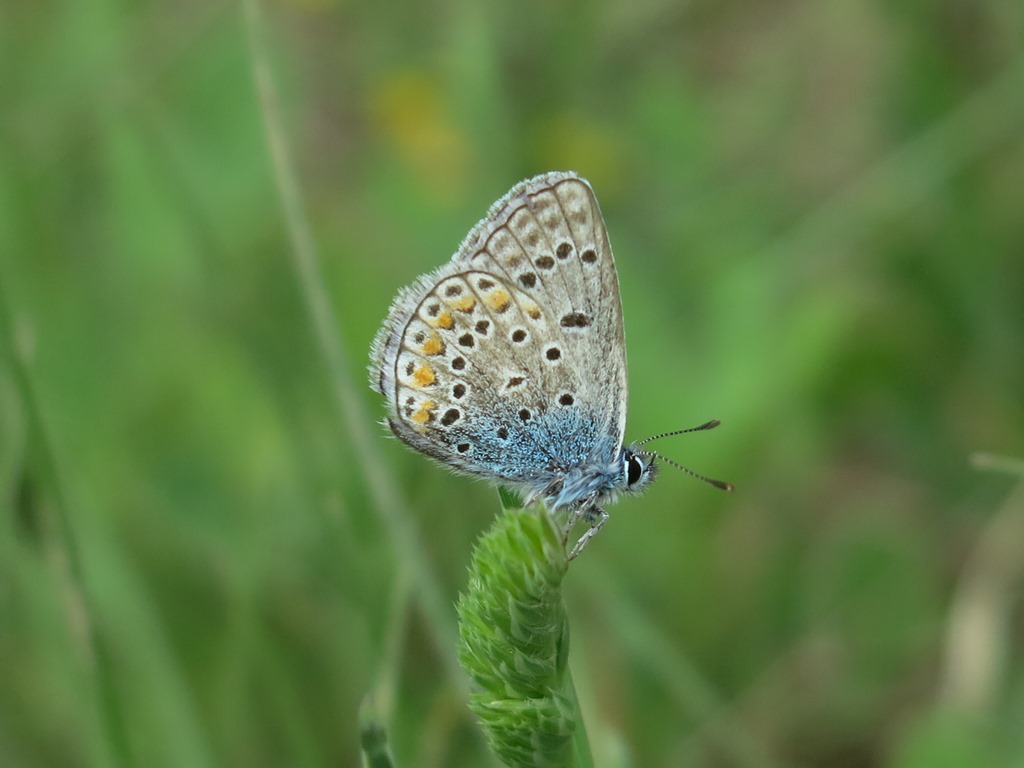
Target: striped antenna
point(703, 427)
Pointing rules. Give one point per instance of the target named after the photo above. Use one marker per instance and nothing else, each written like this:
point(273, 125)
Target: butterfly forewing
point(508, 362)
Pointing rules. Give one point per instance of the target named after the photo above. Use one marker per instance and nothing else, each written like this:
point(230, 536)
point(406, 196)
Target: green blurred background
point(209, 552)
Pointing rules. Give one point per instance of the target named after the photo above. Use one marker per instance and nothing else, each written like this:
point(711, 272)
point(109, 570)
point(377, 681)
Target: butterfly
point(509, 362)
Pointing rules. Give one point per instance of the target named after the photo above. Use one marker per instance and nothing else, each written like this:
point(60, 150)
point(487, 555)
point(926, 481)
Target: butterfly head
point(638, 469)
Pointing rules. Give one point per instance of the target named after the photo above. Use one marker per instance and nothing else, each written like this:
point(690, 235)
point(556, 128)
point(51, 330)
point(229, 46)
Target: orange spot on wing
point(445, 321)
point(424, 413)
point(423, 376)
point(465, 304)
point(433, 345)
point(497, 300)
point(533, 311)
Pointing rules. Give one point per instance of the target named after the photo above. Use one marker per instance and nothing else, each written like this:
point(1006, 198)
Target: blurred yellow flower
point(409, 111)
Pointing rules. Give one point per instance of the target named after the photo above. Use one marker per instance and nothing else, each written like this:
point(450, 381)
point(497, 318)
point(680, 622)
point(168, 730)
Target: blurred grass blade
point(373, 737)
point(79, 601)
point(979, 631)
point(353, 419)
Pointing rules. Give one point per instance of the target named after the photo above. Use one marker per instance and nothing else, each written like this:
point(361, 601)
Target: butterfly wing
point(509, 361)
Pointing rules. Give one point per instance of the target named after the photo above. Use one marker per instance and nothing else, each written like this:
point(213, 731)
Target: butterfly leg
point(571, 519)
point(597, 517)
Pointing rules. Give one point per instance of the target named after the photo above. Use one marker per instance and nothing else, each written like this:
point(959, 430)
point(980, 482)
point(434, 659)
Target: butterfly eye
point(634, 470)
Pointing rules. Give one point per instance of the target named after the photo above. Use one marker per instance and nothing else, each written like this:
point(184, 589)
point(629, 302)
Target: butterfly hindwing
point(509, 361)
